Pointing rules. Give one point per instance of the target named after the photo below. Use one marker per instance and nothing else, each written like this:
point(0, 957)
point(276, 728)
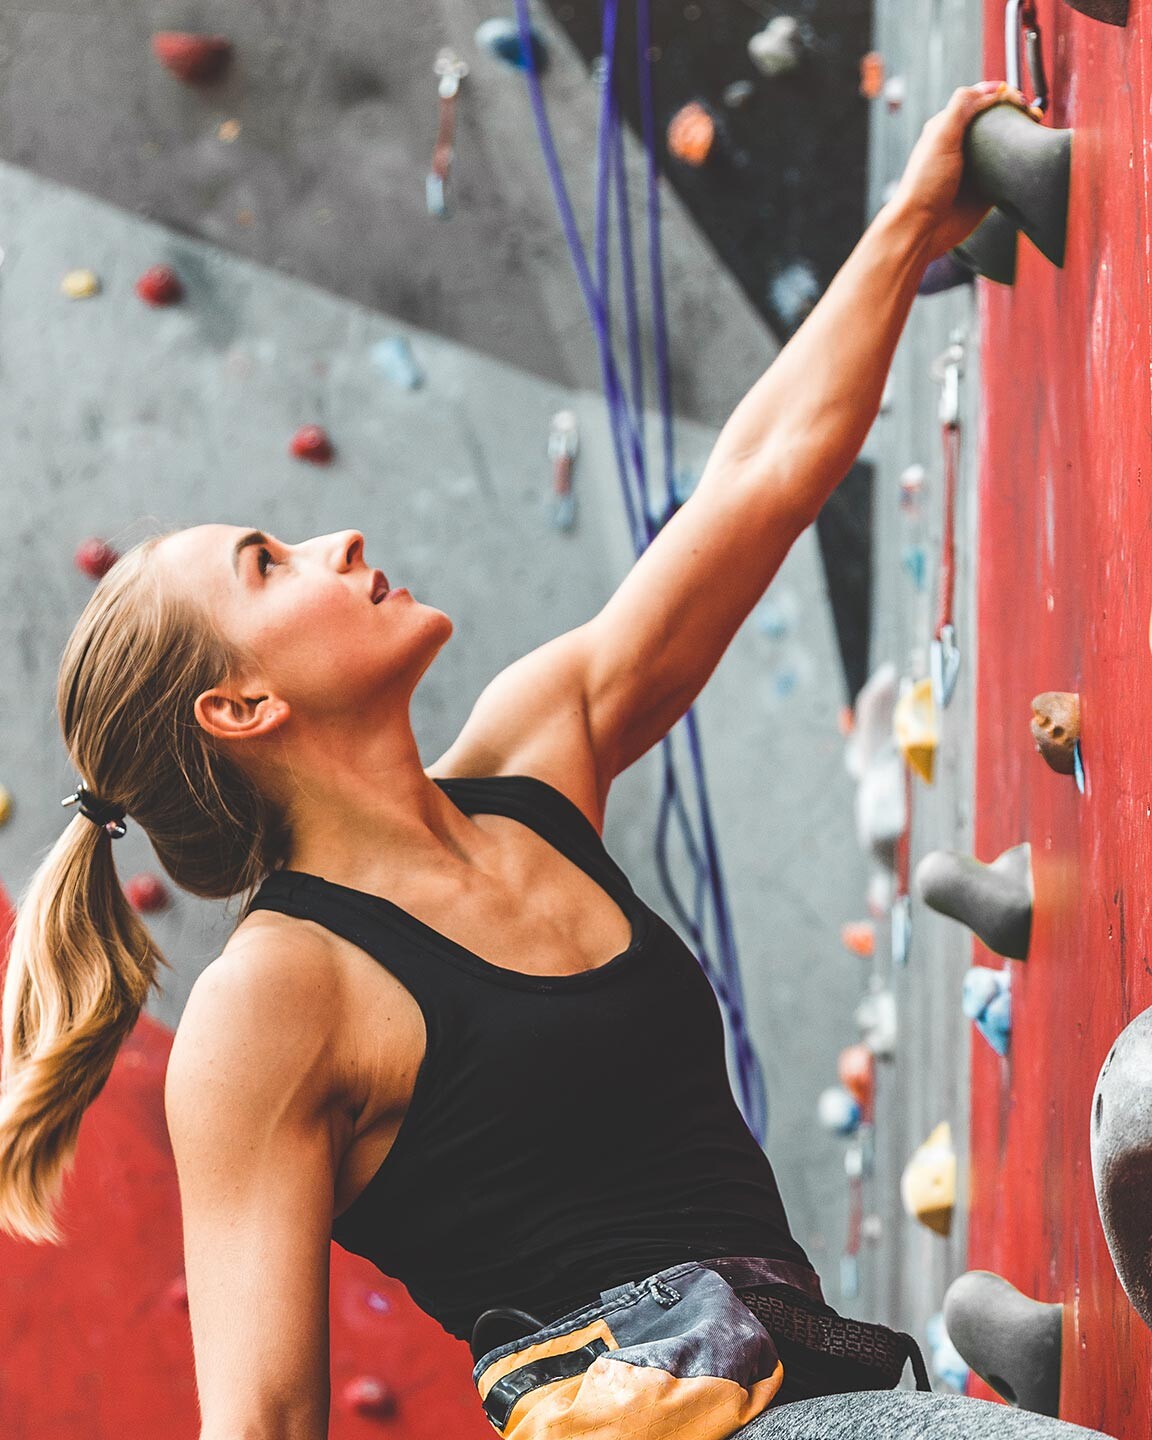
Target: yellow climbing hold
point(80, 284)
point(5, 806)
point(914, 722)
point(928, 1185)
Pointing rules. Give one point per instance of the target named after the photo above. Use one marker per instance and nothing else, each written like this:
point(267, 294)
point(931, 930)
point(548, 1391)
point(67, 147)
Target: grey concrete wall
point(928, 1081)
point(119, 418)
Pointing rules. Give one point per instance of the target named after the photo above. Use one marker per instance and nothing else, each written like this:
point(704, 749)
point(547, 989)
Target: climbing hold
point(856, 1071)
point(95, 558)
point(778, 48)
point(1121, 1146)
point(872, 727)
point(368, 1396)
point(859, 937)
point(1108, 12)
point(881, 892)
point(871, 74)
point(876, 1020)
point(311, 443)
point(1022, 167)
point(996, 1022)
point(5, 805)
point(912, 479)
point(914, 722)
point(987, 1001)
point(914, 563)
point(146, 893)
point(563, 443)
point(1011, 1341)
point(777, 614)
point(794, 291)
point(881, 808)
point(895, 91)
point(691, 134)
point(928, 1185)
point(990, 250)
point(393, 357)
point(80, 284)
point(947, 1363)
point(195, 59)
point(1056, 728)
point(176, 1293)
point(944, 273)
point(839, 1111)
point(159, 285)
point(501, 38)
point(227, 131)
point(738, 93)
point(994, 901)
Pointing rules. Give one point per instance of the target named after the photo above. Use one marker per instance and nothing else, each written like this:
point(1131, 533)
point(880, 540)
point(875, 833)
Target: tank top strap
point(542, 807)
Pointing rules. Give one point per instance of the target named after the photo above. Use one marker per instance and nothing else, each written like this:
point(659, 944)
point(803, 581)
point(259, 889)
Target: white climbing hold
point(80, 284)
point(778, 48)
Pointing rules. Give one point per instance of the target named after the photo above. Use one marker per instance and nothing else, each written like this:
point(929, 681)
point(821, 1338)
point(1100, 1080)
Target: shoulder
point(531, 719)
point(264, 1018)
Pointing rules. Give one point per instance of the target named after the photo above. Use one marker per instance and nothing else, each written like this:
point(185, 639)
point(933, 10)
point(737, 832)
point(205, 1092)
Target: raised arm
point(248, 1100)
point(610, 689)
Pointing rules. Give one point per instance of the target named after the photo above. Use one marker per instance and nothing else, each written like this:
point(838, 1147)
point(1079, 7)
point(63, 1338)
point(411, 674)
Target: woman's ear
point(228, 714)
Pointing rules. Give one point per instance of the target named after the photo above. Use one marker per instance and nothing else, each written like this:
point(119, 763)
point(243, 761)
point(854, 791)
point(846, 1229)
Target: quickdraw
point(450, 70)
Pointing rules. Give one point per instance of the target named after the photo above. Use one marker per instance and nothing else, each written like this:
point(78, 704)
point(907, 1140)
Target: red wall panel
point(1064, 591)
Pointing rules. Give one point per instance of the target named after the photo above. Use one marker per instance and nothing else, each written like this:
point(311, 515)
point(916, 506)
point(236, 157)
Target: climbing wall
point(1065, 546)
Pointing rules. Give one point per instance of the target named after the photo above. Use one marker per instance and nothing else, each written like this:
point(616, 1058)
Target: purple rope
point(628, 445)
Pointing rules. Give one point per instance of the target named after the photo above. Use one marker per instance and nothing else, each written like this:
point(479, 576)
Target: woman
point(445, 1031)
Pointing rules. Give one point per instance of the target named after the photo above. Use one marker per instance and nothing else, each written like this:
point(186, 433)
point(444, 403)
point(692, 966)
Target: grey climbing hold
point(1121, 1145)
point(1012, 1342)
point(994, 901)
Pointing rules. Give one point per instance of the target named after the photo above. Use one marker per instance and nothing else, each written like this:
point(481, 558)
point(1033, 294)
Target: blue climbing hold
point(996, 1023)
point(393, 357)
point(948, 1365)
point(914, 559)
point(501, 38)
point(987, 1000)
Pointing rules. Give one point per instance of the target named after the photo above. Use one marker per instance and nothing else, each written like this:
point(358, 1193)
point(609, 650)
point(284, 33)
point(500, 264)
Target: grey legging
point(907, 1415)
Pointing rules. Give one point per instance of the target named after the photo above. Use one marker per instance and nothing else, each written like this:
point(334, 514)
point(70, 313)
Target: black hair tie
point(109, 817)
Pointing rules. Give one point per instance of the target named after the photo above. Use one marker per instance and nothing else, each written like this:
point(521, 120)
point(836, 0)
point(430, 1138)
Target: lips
point(379, 586)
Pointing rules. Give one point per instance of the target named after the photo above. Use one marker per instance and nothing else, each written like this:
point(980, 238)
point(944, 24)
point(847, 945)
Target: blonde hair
point(81, 962)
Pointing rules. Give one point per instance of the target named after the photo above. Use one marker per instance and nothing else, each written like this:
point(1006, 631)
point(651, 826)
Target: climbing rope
point(708, 906)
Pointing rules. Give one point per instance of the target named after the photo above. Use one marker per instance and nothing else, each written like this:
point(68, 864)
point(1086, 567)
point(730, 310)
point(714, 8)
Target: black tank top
point(566, 1133)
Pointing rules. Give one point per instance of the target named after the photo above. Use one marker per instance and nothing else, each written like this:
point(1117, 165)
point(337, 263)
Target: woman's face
point(306, 616)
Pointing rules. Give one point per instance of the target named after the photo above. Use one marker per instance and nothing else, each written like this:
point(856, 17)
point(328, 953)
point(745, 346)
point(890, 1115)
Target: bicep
point(256, 1171)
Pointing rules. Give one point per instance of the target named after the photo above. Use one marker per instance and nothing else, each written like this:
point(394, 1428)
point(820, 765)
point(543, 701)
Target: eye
point(264, 559)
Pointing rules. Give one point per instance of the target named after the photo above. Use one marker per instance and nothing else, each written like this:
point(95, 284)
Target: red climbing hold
point(195, 59)
point(159, 285)
point(692, 134)
point(311, 443)
point(146, 893)
point(95, 558)
point(365, 1395)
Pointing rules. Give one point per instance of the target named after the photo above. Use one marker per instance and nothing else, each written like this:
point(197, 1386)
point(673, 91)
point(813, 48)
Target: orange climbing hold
point(856, 1071)
point(159, 285)
point(691, 134)
point(195, 59)
point(859, 936)
point(311, 443)
point(871, 74)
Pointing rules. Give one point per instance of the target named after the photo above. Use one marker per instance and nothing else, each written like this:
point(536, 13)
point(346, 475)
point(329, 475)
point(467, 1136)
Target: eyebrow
point(253, 537)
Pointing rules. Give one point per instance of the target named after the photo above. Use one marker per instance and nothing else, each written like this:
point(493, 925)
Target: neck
point(361, 808)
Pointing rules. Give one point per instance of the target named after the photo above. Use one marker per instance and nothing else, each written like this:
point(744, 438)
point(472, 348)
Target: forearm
point(802, 424)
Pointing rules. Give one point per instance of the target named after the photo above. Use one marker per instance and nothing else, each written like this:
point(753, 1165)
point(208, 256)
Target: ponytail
point(82, 962)
point(79, 970)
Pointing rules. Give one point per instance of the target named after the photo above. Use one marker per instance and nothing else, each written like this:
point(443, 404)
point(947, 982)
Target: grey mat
point(907, 1415)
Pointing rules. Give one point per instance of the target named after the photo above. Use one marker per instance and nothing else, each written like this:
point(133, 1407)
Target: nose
point(348, 549)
